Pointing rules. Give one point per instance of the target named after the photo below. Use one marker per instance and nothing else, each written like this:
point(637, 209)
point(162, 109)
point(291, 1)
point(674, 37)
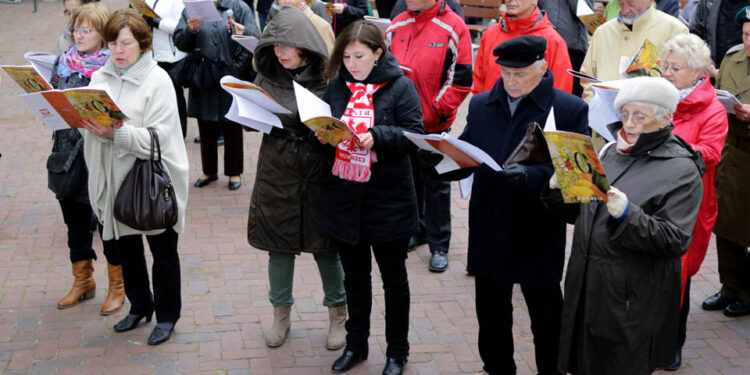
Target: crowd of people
point(675, 165)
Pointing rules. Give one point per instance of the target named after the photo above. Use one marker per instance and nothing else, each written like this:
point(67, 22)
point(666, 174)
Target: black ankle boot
point(348, 360)
point(161, 333)
point(131, 321)
point(394, 366)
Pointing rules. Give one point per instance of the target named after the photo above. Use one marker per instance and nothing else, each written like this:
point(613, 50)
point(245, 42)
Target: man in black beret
point(512, 238)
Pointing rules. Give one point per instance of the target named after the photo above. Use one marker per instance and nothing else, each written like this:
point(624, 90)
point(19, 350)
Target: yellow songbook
point(27, 77)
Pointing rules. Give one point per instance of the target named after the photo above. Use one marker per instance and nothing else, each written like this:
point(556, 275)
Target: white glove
point(617, 202)
point(553, 183)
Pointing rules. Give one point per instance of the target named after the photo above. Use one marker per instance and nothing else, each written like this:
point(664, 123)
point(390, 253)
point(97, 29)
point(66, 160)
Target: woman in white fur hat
point(622, 289)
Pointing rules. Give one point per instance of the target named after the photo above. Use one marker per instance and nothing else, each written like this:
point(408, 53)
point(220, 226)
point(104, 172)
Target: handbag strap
point(155, 141)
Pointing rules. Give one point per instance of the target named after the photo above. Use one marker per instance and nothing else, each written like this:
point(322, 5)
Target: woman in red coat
point(702, 122)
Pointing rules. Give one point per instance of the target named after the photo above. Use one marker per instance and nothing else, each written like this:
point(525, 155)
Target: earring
point(376, 63)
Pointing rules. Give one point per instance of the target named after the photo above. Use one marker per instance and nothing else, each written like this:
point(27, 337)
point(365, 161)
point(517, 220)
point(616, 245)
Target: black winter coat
point(285, 205)
point(512, 237)
point(214, 42)
point(69, 140)
point(384, 208)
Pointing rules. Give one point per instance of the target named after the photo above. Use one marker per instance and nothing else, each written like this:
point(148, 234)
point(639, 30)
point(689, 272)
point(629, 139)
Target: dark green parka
point(285, 203)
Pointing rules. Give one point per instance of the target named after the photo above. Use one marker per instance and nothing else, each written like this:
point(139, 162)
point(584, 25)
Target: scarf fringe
point(351, 172)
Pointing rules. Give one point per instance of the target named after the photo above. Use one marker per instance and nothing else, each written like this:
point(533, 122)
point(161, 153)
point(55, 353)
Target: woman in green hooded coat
point(285, 205)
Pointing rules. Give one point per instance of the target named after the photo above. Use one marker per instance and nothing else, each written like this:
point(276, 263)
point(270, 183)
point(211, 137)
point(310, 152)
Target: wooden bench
point(481, 9)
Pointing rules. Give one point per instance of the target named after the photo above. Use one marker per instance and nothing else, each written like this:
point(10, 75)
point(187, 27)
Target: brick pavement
point(225, 305)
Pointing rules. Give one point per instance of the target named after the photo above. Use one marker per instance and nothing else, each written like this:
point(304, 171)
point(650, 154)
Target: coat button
point(216, 42)
point(216, 24)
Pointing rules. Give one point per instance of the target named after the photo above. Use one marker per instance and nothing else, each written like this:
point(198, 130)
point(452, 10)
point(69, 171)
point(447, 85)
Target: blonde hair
point(96, 14)
point(692, 48)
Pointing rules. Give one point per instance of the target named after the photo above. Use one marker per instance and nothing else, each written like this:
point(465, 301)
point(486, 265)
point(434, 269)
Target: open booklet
point(728, 100)
point(458, 154)
point(27, 77)
point(143, 8)
point(316, 115)
point(602, 107)
point(587, 16)
point(203, 9)
point(247, 41)
point(577, 166)
point(63, 109)
point(43, 62)
point(645, 62)
point(252, 106)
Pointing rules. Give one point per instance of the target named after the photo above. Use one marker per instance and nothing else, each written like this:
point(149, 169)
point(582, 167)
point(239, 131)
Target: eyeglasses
point(674, 69)
point(635, 118)
point(83, 32)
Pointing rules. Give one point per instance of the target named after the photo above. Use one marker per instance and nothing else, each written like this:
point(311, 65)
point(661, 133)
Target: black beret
point(743, 15)
point(520, 51)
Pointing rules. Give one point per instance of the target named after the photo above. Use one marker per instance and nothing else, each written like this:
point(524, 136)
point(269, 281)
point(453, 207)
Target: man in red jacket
point(433, 46)
point(522, 17)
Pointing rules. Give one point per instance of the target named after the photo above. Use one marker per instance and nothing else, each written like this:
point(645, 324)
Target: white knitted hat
point(654, 90)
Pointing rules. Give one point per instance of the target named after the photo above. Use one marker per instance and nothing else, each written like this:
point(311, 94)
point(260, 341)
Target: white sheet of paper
point(234, 115)
point(309, 105)
point(252, 108)
point(43, 62)
point(448, 164)
point(464, 186)
point(583, 9)
point(549, 125)
point(255, 96)
point(624, 64)
point(602, 107)
point(44, 111)
point(249, 42)
point(728, 100)
point(203, 9)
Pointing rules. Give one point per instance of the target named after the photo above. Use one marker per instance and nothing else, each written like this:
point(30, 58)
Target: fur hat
point(654, 90)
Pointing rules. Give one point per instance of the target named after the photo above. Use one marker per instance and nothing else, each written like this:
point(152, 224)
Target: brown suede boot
point(84, 286)
point(336, 331)
point(116, 294)
point(280, 328)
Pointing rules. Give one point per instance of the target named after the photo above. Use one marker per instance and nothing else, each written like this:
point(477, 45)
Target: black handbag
point(66, 170)
point(146, 199)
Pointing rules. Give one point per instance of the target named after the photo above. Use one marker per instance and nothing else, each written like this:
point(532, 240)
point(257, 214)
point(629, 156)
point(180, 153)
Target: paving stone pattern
point(225, 287)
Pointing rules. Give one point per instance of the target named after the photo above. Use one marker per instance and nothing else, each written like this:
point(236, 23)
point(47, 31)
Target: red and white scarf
point(352, 161)
point(623, 146)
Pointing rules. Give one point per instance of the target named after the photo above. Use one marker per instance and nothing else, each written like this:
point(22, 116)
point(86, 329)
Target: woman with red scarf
point(702, 122)
point(369, 201)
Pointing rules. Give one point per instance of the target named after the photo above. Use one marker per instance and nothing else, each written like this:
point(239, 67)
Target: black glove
point(514, 177)
point(153, 22)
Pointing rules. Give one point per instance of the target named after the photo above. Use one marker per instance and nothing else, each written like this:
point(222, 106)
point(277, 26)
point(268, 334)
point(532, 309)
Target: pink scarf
point(352, 161)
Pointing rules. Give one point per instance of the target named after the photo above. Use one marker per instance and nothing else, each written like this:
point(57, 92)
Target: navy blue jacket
point(512, 237)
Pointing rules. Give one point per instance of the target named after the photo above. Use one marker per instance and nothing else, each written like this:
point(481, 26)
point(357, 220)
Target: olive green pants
point(281, 278)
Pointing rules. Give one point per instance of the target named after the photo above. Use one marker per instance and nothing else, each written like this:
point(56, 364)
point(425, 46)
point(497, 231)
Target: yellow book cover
point(334, 131)
point(645, 62)
point(28, 78)
point(142, 7)
point(577, 166)
point(77, 104)
point(592, 21)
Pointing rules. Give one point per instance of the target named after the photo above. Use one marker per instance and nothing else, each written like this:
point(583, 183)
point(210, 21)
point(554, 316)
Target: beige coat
point(145, 95)
point(613, 40)
point(732, 188)
point(323, 27)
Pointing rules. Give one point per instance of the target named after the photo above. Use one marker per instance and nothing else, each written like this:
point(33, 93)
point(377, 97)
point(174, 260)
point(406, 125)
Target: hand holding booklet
point(63, 109)
point(728, 100)
point(316, 115)
point(457, 153)
point(252, 106)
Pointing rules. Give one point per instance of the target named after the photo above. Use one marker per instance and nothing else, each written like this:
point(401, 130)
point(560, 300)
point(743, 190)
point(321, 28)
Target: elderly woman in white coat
point(144, 93)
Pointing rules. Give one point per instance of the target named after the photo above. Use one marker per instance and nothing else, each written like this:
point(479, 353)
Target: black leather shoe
point(220, 140)
point(348, 360)
point(415, 241)
point(234, 185)
point(737, 308)
point(197, 139)
point(716, 302)
point(394, 366)
point(131, 321)
point(199, 183)
point(677, 362)
point(438, 262)
point(160, 334)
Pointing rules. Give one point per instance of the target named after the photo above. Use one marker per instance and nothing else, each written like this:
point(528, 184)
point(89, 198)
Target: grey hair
point(660, 113)
point(538, 64)
point(692, 48)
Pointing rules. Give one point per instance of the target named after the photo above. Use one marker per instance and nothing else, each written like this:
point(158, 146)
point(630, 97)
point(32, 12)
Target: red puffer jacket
point(487, 72)
point(702, 122)
point(434, 47)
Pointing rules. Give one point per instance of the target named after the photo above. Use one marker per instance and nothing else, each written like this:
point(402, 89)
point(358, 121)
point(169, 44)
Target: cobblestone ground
point(225, 305)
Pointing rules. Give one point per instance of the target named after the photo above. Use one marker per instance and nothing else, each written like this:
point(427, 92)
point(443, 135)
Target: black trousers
point(357, 263)
point(495, 315)
point(576, 60)
point(166, 299)
point(734, 269)
point(180, 92)
point(684, 311)
point(233, 148)
point(434, 207)
point(81, 223)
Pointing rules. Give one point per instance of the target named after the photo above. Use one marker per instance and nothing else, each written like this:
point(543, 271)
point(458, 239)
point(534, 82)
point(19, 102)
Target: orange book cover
point(645, 62)
point(142, 7)
point(77, 104)
point(334, 131)
point(577, 166)
point(28, 78)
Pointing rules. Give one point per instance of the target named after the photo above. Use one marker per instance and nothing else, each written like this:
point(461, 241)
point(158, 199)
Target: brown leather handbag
point(146, 199)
